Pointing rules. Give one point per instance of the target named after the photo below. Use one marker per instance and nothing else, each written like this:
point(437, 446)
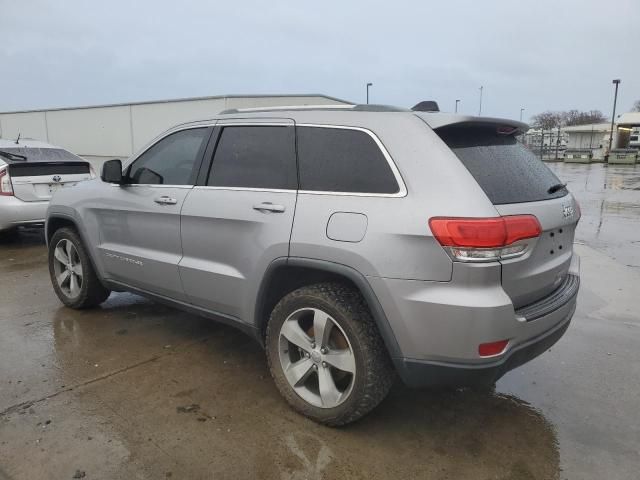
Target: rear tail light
point(6, 188)
point(484, 239)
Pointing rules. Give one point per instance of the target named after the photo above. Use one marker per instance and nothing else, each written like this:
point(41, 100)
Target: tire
point(353, 342)
point(89, 291)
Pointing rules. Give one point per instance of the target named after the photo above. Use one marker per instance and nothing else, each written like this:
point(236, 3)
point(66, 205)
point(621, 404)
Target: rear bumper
point(14, 212)
point(440, 325)
point(415, 373)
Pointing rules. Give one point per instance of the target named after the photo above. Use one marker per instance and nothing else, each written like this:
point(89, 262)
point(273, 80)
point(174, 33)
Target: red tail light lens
point(484, 232)
point(493, 348)
point(6, 188)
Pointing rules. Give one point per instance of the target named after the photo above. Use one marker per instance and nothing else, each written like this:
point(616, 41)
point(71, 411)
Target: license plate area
point(559, 240)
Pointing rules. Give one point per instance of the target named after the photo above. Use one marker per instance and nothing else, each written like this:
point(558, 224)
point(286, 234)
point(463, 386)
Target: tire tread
point(379, 374)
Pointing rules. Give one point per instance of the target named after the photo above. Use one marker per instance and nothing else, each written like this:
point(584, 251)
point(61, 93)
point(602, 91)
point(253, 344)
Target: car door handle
point(269, 207)
point(164, 200)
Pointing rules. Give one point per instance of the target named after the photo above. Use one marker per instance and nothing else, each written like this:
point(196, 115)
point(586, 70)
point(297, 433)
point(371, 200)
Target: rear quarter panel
point(398, 242)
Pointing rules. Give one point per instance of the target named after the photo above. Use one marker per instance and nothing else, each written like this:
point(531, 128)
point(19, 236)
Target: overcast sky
point(543, 54)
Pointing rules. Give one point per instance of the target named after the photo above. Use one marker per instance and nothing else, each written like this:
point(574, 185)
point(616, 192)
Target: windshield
point(506, 170)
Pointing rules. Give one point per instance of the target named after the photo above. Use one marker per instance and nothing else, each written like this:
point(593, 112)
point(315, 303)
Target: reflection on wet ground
point(138, 390)
point(609, 196)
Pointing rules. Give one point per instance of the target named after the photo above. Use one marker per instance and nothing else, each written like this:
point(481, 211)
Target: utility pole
point(457, 102)
point(368, 85)
point(541, 142)
point(557, 141)
point(480, 109)
point(613, 118)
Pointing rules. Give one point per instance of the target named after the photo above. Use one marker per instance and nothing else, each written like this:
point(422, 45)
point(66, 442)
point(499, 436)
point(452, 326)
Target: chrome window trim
point(402, 188)
point(402, 192)
point(245, 189)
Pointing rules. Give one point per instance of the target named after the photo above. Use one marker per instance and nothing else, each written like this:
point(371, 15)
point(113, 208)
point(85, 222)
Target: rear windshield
point(507, 171)
point(42, 154)
point(25, 169)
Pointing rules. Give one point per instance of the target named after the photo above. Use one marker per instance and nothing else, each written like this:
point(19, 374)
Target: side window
point(342, 160)
point(171, 160)
point(255, 157)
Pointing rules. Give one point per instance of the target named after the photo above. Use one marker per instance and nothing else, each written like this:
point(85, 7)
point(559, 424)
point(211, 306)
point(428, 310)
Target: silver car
point(30, 171)
point(353, 243)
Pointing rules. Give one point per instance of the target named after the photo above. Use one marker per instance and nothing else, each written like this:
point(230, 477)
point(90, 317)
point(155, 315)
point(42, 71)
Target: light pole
point(368, 85)
point(480, 109)
point(457, 102)
point(521, 110)
point(613, 117)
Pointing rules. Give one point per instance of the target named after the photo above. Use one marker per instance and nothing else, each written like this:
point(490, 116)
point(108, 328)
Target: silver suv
point(353, 243)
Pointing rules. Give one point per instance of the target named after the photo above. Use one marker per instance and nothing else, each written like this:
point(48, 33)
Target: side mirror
point(112, 172)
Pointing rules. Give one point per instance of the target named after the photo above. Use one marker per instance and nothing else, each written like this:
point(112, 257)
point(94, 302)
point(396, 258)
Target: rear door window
point(342, 160)
point(506, 170)
point(255, 157)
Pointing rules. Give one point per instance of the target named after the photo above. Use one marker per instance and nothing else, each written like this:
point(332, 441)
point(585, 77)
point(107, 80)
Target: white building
point(628, 131)
point(594, 137)
point(117, 131)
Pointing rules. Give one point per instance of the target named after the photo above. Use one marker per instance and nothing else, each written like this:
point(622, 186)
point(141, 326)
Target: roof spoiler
point(426, 106)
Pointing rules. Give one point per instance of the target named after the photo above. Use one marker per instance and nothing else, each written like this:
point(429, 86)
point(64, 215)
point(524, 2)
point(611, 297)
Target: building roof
point(591, 127)
point(629, 118)
point(187, 99)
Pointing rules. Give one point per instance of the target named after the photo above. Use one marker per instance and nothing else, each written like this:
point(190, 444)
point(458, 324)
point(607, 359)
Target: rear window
point(42, 154)
point(342, 160)
point(26, 169)
point(506, 170)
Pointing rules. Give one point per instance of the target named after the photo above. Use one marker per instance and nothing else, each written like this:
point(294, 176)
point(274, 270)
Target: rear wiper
point(13, 156)
point(556, 187)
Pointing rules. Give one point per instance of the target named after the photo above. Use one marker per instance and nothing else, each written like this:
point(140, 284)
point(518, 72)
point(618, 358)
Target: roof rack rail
point(287, 107)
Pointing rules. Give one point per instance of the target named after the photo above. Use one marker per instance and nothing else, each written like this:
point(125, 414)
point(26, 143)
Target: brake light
point(484, 239)
point(6, 188)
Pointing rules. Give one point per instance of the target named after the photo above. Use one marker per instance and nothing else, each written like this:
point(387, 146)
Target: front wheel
point(72, 275)
point(326, 355)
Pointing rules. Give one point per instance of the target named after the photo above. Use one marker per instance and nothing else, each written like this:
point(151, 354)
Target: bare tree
point(549, 119)
point(546, 120)
point(575, 117)
point(636, 106)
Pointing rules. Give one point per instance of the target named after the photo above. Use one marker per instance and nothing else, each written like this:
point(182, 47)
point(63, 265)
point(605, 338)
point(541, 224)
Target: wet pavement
point(138, 390)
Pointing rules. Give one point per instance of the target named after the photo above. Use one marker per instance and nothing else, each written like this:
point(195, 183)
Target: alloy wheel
point(317, 358)
point(67, 268)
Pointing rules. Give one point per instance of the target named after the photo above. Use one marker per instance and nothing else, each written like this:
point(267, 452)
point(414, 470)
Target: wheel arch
point(56, 221)
point(287, 274)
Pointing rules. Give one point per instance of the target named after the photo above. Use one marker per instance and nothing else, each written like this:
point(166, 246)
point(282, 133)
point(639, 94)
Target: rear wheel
point(326, 355)
point(72, 275)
